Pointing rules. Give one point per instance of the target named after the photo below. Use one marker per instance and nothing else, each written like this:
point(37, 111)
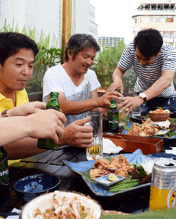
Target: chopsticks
point(9, 214)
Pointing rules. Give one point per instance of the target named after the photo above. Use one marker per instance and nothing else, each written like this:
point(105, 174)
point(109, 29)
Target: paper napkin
point(173, 151)
point(14, 217)
point(109, 147)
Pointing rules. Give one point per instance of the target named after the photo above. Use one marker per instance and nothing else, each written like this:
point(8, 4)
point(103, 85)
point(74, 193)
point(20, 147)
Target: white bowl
point(45, 201)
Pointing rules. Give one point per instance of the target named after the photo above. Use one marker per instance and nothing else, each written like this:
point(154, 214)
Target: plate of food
point(156, 124)
point(127, 166)
point(159, 114)
point(61, 204)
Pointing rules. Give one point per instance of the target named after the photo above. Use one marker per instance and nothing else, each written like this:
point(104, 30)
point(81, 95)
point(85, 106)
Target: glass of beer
point(96, 151)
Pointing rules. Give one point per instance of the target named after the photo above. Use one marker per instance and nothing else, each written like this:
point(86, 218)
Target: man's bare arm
point(160, 85)
point(78, 107)
point(117, 80)
point(157, 88)
point(75, 134)
point(25, 147)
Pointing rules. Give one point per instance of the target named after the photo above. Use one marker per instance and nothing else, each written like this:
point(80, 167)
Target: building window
point(158, 19)
point(160, 7)
point(153, 6)
point(168, 34)
point(170, 19)
point(147, 7)
point(151, 18)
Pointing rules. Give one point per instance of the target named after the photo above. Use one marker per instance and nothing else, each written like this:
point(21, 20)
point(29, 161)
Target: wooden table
point(51, 162)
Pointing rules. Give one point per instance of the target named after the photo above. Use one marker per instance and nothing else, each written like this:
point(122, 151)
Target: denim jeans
point(165, 103)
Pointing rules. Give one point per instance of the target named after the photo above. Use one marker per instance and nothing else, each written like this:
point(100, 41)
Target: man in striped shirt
point(154, 63)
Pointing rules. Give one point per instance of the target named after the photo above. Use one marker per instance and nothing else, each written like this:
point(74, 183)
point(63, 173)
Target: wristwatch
point(143, 96)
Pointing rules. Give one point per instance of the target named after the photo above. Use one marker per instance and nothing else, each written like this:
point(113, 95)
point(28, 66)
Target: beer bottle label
point(4, 172)
point(113, 121)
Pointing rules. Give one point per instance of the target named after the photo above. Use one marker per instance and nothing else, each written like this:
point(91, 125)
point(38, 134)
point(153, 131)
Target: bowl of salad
point(159, 114)
point(61, 204)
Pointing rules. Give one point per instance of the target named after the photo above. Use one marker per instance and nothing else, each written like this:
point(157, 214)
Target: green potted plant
point(104, 65)
point(142, 7)
point(161, 7)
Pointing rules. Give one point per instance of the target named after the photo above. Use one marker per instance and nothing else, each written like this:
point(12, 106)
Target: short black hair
point(149, 42)
point(11, 43)
point(79, 42)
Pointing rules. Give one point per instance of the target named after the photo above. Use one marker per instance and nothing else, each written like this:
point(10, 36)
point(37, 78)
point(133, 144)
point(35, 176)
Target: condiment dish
point(32, 186)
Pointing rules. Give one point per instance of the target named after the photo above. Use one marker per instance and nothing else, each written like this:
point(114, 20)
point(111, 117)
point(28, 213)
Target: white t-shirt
point(57, 80)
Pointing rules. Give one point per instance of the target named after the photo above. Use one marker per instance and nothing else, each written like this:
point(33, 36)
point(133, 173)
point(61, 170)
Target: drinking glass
point(122, 118)
point(96, 150)
point(136, 111)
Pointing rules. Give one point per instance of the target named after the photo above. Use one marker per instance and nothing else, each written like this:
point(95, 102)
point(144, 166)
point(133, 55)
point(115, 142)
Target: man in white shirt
point(75, 82)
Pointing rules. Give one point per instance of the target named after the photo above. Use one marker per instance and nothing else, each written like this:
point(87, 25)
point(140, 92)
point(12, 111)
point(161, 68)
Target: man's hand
point(46, 124)
point(129, 103)
point(116, 85)
point(104, 100)
point(26, 109)
point(77, 135)
point(117, 78)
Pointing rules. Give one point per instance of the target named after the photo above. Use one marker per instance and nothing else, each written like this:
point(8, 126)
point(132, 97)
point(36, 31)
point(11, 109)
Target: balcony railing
point(158, 12)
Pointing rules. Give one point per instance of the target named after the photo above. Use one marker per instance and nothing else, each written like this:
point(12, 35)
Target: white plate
point(45, 201)
point(162, 132)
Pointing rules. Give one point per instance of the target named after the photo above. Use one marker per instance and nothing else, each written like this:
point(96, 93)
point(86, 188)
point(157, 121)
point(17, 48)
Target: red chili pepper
point(159, 111)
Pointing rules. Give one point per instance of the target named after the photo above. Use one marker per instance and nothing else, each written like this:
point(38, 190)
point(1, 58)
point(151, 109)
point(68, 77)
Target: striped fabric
point(146, 76)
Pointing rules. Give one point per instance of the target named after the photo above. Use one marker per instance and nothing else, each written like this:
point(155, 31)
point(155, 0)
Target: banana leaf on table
point(169, 213)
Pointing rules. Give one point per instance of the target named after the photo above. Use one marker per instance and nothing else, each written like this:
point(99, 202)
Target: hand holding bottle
point(47, 124)
point(104, 100)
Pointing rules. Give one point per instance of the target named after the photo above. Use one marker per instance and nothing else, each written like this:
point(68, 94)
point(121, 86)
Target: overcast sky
point(114, 17)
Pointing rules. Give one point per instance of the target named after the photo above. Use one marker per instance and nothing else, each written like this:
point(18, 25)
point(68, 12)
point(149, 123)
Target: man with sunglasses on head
point(154, 63)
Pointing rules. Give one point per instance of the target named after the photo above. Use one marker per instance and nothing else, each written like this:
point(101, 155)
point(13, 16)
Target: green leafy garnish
point(109, 159)
point(159, 107)
point(140, 167)
point(125, 184)
point(141, 170)
point(132, 164)
point(127, 128)
point(172, 120)
point(170, 134)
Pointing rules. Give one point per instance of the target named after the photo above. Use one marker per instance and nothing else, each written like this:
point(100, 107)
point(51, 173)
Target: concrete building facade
point(106, 41)
point(160, 15)
point(46, 15)
point(83, 18)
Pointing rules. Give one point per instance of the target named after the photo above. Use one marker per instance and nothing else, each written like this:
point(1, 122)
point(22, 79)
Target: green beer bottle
point(113, 123)
point(4, 174)
point(52, 103)
point(117, 90)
